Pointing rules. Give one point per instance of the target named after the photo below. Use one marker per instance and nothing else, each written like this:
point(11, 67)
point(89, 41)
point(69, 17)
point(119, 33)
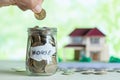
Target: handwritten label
point(44, 52)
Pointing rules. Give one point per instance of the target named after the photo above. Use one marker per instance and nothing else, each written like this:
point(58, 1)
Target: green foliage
point(85, 59)
point(60, 59)
point(104, 14)
point(114, 59)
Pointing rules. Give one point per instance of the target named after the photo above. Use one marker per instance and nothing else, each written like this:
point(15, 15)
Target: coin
point(18, 69)
point(110, 70)
point(68, 71)
point(51, 68)
point(100, 72)
point(40, 65)
point(31, 66)
point(41, 15)
point(87, 72)
point(35, 37)
point(36, 27)
point(43, 40)
point(30, 62)
point(54, 60)
point(52, 42)
point(37, 44)
point(118, 71)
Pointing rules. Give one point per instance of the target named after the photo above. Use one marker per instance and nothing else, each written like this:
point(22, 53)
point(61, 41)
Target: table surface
point(6, 73)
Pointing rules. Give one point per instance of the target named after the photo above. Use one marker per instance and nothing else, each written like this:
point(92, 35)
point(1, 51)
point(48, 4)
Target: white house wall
point(104, 54)
point(87, 47)
point(102, 48)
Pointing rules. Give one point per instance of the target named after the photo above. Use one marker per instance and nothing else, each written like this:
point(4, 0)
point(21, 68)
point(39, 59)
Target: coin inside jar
point(39, 64)
point(51, 68)
point(41, 15)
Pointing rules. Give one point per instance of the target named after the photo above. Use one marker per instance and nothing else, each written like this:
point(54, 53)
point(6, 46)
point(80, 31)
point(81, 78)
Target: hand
point(34, 5)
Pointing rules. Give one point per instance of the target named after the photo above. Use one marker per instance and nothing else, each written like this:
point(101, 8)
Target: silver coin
point(30, 62)
point(118, 71)
point(52, 41)
point(54, 61)
point(68, 71)
point(87, 72)
point(30, 65)
point(100, 72)
point(110, 70)
point(51, 68)
point(39, 65)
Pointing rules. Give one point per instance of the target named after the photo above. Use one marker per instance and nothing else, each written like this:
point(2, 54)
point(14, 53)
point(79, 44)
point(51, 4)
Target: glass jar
point(41, 51)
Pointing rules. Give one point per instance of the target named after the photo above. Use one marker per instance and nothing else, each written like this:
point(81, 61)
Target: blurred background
point(65, 15)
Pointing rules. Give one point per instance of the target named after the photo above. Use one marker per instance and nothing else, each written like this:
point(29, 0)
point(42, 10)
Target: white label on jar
point(44, 52)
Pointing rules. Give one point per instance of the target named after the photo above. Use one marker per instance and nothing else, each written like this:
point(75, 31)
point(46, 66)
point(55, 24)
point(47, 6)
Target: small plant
point(114, 59)
point(60, 59)
point(85, 59)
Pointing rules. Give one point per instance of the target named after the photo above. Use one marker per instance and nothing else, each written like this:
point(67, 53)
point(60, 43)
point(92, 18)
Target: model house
point(89, 42)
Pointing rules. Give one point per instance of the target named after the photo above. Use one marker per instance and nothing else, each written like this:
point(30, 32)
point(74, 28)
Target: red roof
point(86, 32)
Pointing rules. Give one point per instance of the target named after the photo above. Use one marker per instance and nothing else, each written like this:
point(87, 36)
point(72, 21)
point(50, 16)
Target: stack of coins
point(38, 38)
point(36, 66)
point(41, 66)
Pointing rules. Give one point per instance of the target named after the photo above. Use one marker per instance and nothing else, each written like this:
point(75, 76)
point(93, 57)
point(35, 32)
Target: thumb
point(37, 9)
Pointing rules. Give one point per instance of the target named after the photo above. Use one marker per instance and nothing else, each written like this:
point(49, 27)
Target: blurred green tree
point(65, 15)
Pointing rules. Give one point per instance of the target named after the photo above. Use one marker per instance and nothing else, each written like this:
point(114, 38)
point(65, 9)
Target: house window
point(95, 40)
point(77, 40)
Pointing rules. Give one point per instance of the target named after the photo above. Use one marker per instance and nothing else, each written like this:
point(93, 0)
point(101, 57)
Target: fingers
point(12, 2)
point(37, 9)
point(34, 5)
point(22, 7)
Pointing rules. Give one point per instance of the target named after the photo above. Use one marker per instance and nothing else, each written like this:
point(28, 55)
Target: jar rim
point(42, 28)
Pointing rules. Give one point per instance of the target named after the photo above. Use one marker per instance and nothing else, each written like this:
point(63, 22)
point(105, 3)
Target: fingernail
point(37, 9)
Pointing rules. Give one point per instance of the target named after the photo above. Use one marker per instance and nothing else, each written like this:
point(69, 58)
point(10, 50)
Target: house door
point(77, 55)
point(95, 56)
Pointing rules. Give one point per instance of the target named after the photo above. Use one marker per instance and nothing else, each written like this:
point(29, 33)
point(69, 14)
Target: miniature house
point(89, 42)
